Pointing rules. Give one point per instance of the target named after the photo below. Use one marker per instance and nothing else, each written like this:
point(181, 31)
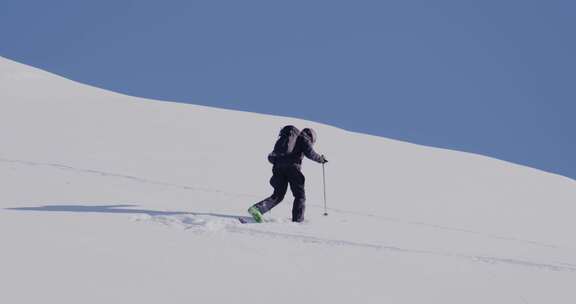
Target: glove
point(323, 160)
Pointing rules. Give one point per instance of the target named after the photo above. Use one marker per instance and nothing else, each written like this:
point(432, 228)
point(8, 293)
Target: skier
point(287, 156)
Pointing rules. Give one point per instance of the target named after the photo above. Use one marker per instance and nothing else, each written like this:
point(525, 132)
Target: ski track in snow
point(233, 194)
point(211, 223)
point(203, 224)
point(451, 229)
point(123, 176)
point(475, 258)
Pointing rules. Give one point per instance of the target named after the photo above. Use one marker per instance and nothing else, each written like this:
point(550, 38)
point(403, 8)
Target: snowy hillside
point(108, 198)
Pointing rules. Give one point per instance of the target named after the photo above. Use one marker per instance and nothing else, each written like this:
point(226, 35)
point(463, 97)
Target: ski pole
point(324, 183)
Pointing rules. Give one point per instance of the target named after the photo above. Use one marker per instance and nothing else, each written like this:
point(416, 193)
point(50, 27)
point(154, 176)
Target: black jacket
point(304, 147)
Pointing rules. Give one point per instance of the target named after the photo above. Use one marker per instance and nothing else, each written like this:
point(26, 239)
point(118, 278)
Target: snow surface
point(108, 198)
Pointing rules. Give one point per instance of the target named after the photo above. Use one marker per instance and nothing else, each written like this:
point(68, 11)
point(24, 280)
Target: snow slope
point(108, 198)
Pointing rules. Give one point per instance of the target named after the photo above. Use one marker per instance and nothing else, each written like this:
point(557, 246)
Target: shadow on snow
point(125, 209)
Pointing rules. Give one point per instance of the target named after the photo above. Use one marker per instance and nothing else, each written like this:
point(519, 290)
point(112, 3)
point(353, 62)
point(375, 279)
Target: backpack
point(284, 144)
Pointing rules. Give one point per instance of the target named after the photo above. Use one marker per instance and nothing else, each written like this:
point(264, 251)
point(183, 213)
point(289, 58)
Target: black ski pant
point(282, 176)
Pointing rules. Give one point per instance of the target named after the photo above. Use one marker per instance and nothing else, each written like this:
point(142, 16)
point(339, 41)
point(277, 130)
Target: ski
point(247, 220)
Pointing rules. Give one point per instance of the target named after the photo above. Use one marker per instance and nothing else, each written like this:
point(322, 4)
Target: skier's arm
point(311, 154)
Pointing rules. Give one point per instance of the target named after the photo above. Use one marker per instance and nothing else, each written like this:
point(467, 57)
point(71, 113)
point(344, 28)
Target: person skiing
point(289, 151)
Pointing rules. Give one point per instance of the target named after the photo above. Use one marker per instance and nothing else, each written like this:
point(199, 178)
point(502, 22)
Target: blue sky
point(490, 77)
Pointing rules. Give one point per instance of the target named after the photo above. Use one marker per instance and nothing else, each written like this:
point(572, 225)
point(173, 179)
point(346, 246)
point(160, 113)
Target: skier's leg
point(297, 181)
point(280, 184)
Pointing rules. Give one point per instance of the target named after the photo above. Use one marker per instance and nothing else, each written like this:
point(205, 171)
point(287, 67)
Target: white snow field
point(107, 198)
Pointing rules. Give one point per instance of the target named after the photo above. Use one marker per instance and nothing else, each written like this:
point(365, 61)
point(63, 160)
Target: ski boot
point(256, 214)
